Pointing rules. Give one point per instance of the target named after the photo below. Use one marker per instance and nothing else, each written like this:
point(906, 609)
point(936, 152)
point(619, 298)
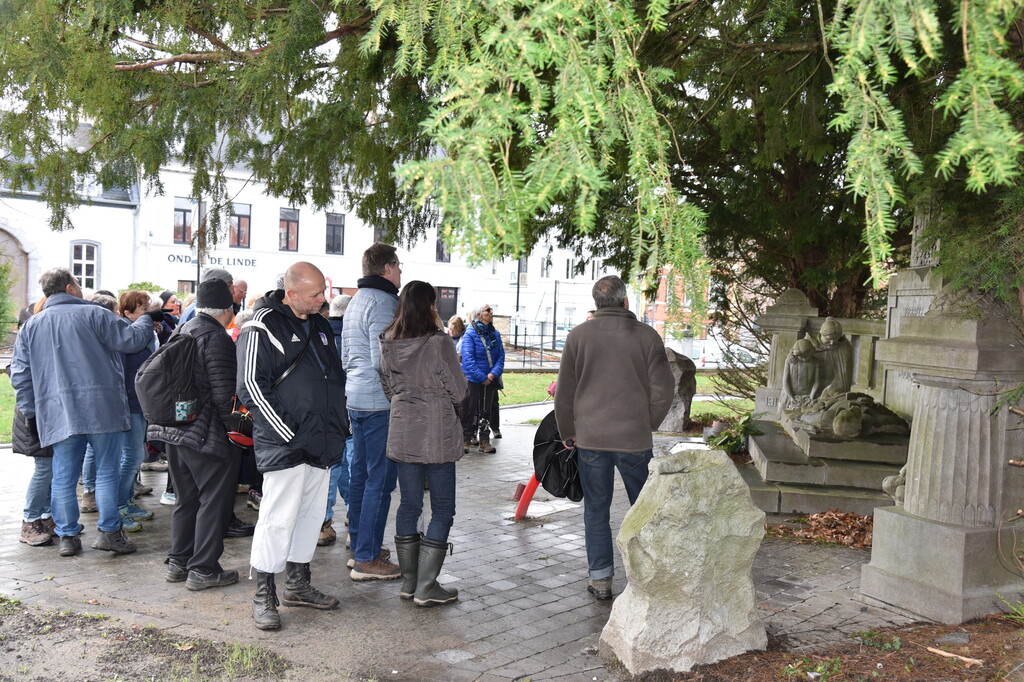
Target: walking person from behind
point(483, 360)
point(614, 389)
point(202, 462)
point(422, 377)
point(291, 381)
point(69, 384)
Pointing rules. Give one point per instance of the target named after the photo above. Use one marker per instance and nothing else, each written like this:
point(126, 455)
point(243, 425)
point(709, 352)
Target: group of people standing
point(396, 402)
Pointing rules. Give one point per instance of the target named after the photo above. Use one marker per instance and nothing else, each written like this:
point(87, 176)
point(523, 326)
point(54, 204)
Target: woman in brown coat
point(422, 377)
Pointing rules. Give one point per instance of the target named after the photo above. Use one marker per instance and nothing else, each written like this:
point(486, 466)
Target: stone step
point(782, 498)
point(778, 459)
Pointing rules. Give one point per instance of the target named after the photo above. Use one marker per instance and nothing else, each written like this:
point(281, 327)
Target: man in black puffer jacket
point(291, 380)
point(203, 464)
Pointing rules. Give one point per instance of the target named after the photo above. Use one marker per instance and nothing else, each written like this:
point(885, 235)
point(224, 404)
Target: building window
point(85, 263)
point(187, 286)
point(378, 235)
point(289, 229)
point(569, 269)
point(336, 233)
point(183, 220)
point(241, 215)
point(442, 253)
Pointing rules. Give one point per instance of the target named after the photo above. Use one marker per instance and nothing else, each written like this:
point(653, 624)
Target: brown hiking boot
point(51, 526)
point(378, 569)
point(88, 503)
point(327, 534)
point(34, 533)
point(485, 446)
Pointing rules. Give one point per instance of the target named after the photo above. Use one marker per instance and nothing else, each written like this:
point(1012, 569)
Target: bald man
point(291, 380)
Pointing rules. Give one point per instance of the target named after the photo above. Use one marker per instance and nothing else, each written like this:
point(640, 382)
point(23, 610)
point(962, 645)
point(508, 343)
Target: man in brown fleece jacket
point(614, 389)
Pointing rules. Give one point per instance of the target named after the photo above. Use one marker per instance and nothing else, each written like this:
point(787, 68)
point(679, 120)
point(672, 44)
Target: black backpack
point(166, 383)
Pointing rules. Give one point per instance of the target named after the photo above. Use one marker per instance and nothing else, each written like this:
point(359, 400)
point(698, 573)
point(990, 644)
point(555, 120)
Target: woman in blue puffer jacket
point(483, 361)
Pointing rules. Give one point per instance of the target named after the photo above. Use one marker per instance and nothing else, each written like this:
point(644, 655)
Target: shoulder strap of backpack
point(294, 362)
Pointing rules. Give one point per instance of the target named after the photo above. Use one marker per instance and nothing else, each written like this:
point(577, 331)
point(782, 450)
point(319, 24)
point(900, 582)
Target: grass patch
point(6, 409)
point(533, 388)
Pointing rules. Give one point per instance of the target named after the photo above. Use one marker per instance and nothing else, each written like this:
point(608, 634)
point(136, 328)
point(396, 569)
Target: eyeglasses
point(488, 310)
point(397, 263)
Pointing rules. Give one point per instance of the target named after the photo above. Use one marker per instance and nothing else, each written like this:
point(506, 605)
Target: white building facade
point(123, 237)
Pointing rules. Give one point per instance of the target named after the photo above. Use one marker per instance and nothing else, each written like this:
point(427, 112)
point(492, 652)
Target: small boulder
point(685, 374)
point(688, 545)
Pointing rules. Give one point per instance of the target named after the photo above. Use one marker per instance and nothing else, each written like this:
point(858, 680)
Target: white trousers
point(291, 514)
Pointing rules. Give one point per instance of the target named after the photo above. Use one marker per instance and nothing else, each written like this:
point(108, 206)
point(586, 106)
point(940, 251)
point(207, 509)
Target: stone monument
point(824, 441)
point(688, 546)
point(685, 374)
point(938, 554)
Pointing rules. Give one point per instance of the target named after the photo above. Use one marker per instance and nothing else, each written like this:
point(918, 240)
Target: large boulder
point(685, 374)
point(688, 545)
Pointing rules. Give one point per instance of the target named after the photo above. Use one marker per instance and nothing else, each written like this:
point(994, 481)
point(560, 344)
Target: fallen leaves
point(834, 526)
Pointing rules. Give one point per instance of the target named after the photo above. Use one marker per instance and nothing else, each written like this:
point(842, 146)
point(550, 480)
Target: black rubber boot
point(407, 547)
point(298, 591)
point(264, 604)
point(428, 592)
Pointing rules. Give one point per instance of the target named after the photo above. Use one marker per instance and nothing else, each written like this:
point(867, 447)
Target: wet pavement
point(523, 610)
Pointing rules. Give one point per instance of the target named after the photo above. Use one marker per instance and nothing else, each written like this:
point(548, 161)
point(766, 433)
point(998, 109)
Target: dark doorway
point(447, 302)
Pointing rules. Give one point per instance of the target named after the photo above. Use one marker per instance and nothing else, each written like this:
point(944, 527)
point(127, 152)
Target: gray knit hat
point(217, 273)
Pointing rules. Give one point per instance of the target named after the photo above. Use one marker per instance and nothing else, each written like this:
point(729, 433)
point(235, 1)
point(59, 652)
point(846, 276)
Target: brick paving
point(523, 610)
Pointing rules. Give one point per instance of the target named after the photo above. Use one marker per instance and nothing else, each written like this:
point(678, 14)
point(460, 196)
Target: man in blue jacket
point(69, 383)
point(373, 475)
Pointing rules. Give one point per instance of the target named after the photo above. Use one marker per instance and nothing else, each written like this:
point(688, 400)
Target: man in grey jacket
point(69, 383)
point(373, 475)
point(614, 389)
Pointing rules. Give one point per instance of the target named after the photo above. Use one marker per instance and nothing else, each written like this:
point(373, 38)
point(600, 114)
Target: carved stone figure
point(850, 415)
point(836, 353)
point(800, 379)
point(896, 486)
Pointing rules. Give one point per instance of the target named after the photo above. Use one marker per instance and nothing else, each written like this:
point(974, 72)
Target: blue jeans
point(89, 471)
point(68, 456)
point(597, 475)
point(37, 499)
point(441, 478)
point(339, 482)
point(133, 451)
point(373, 478)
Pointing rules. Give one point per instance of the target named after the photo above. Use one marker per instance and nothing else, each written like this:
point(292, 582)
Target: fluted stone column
point(956, 464)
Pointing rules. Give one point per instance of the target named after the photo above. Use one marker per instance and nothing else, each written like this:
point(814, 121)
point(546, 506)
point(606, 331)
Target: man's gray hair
point(475, 313)
point(56, 281)
point(214, 312)
point(108, 302)
point(243, 316)
point(609, 292)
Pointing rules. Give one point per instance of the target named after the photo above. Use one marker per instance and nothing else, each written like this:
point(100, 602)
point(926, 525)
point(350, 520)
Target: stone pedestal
point(945, 572)
point(688, 546)
point(939, 555)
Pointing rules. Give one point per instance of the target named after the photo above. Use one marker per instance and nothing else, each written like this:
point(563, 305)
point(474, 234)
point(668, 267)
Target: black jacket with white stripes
point(303, 419)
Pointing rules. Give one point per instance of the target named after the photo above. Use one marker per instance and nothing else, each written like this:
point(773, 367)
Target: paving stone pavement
point(523, 609)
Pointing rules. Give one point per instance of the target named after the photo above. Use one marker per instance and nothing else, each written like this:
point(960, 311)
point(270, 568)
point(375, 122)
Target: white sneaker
point(168, 498)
